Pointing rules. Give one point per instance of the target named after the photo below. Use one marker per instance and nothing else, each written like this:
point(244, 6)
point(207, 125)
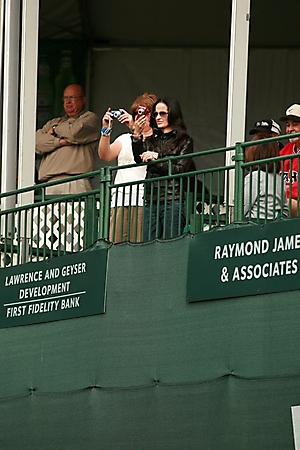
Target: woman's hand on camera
point(126, 118)
point(106, 119)
point(139, 126)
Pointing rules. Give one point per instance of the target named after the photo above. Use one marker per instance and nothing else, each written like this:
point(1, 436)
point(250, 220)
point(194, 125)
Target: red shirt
point(290, 169)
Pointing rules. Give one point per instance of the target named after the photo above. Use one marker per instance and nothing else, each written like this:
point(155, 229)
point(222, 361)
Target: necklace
point(147, 134)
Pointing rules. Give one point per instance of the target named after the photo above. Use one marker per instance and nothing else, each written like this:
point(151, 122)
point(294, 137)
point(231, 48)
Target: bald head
point(74, 99)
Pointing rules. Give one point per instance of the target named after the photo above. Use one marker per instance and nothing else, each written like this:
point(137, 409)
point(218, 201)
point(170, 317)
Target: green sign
point(61, 288)
point(246, 260)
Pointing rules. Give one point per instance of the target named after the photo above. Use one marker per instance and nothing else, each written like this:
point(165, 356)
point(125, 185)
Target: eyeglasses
point(160, 113)
point(71, 97)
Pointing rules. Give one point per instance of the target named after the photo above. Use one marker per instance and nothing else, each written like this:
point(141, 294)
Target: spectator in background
point(264, 194)
point(164, 219)
point(269, 127)
point(290, 167)
point(67, 144)
point(127, 204)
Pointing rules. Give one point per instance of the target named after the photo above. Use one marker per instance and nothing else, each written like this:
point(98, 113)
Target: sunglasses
point(161, 114)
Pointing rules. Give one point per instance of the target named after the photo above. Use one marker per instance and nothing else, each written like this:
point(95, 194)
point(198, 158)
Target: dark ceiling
point(179, 24)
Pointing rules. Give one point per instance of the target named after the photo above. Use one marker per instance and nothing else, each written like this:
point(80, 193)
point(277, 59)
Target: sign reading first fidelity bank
point(249, 260)
point(61, 288)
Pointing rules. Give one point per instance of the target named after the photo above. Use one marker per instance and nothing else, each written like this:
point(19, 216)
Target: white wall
point(198, 79)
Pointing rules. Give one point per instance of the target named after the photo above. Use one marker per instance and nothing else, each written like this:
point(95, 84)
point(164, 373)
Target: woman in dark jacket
point(164, 206)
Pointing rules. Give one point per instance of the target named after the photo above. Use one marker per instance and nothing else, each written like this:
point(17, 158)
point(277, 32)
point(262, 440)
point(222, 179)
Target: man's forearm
point(83, 130)
point(45, 143)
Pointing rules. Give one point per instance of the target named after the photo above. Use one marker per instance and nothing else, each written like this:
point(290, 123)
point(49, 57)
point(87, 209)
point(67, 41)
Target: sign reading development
point(252, 259)
point(61, 288)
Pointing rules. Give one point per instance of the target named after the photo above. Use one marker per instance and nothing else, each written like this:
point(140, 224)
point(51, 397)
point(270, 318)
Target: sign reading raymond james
point(61, 288)
point(249, 260)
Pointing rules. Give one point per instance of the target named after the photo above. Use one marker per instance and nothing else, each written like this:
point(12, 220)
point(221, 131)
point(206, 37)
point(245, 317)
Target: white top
point(265, 196)
point(126, 175)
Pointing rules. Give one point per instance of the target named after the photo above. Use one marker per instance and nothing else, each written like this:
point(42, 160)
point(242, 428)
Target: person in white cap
point(290, 167)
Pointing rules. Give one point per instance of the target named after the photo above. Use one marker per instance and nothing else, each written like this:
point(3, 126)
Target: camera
point(115, 113)
point(141, 111)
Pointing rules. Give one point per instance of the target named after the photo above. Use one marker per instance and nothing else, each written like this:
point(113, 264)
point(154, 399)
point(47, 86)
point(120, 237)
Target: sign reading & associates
point(246, 260)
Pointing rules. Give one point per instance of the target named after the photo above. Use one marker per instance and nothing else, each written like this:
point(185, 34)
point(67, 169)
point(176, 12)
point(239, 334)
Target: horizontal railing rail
point(35, 226)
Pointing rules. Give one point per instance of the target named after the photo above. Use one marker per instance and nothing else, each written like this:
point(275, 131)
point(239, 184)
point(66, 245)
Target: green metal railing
point(203, 197)
point(48, 226)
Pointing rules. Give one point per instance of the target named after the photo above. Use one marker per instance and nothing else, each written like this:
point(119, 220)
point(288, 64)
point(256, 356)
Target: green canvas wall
point(154, 372)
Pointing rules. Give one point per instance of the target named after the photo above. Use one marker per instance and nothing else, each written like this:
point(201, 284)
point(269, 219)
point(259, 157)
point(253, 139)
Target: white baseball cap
point(293, 112)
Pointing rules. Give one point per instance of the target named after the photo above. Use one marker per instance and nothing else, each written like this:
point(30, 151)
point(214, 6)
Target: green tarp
point(154, 371)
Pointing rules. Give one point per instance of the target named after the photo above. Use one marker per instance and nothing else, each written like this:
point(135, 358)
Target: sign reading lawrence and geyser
point(248, 260)
point(61, 288)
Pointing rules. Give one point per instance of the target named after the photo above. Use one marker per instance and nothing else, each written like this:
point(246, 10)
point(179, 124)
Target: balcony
point(210, 198)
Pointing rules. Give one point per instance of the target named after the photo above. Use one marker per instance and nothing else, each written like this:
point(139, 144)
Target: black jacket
point(165, 145)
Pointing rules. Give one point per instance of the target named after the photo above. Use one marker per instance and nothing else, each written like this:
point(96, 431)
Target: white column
point(10, 99)
point(27, 129)
point(2, 10)
point(2, 13)
point(28, 95)
point(237, 84)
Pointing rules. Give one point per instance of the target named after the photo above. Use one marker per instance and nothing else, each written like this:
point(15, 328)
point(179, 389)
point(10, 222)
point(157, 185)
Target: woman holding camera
point(127, 202)
point(164, 215)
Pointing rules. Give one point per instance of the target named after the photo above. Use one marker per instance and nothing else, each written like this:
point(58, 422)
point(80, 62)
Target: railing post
point(105, 180)
point(239, 158)
point(90, 223)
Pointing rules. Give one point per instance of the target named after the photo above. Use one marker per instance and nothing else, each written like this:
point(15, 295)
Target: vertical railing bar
point(181, 203)
point(59, 244)
point(18, 226)
point(122, 216)
point(239, 158)
point(83, 214)
point(31, 234)
point(157, 209)
point(72, 226)
point(136, 219)
point(129, 215)
point(24, 256)
point(105, 181)
point(44, 227)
